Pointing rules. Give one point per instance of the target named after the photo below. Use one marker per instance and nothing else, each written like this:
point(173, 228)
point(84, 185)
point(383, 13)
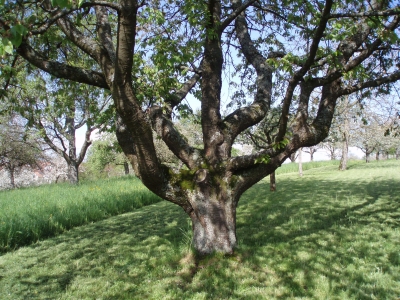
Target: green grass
point(327, 235)
point(32, 214)
point(294, 167)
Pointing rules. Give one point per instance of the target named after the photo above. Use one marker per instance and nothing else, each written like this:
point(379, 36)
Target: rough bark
point(73, 173)
point(213, 216)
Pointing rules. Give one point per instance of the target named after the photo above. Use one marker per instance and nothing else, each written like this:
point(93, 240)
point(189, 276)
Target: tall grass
point(31, 214)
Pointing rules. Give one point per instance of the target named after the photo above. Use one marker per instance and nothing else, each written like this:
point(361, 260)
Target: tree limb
point(62, 70)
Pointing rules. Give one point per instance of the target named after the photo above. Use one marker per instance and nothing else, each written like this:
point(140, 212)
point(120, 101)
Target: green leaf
point(7, 46)
point(17, 32)
point(61, 3)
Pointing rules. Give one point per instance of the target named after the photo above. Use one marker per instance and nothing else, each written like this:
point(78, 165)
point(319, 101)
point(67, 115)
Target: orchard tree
point(106, 151)
point(151, 54)
point(18, 148)
point(311, 150)
point(57, 110)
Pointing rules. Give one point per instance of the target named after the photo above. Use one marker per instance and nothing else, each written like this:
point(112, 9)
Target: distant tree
point(300, 158)
point(106, 151)
point(57, 109)
point(374, 134)
point(18, 148)
point(347, 111)
point(311, 150)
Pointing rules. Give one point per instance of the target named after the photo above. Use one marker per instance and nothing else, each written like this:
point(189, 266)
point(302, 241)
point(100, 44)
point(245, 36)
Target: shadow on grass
point(332, 228)
point(316, 239)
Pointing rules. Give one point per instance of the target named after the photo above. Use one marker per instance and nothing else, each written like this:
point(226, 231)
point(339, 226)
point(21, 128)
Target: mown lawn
point(327, 235)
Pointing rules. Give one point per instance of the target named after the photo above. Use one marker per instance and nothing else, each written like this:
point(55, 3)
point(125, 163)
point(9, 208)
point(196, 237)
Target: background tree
point(57, 109)
point(151, 54)
point(373, 133)
point(106, 151)
point(311, 150)
point(18, 148)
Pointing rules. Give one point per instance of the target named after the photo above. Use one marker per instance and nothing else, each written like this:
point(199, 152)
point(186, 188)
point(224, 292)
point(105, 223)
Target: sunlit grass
point(32, 214)
point(327, 235)
point(294, 167)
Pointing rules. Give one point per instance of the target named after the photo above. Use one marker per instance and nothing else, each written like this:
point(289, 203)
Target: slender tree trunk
point(367, 157)
point(272, 182)
point(377, 155)
point(11, 171)
point(126, 168)
point(301, 162)
point(345, 149)
point(345, 135)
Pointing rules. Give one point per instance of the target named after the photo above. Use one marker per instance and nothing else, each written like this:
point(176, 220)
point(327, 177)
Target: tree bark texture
point(73, 173)
point(213, 216)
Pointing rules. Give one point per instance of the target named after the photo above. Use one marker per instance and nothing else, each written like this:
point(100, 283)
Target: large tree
point(151, 54)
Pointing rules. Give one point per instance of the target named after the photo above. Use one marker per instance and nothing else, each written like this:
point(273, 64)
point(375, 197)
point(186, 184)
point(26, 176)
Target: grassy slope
point(328, 235)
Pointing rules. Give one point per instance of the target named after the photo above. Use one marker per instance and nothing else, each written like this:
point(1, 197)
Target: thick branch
point(211, 86)
point(369, 84)
point(175, 142)
point(177, 97)
point(245, 117)
point(238, 10)
point(61, 70)
point(85, 146)
point(299, 74)
point(104, 32)
point(384, 13)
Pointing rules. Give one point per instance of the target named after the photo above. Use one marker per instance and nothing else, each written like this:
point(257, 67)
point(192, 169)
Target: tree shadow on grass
point(326, 232)
point(310, 239)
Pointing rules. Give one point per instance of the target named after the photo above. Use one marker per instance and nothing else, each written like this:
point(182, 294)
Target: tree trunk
point(345, 150)
point(301, 162)
point(377, 155)
point(213, 216)
point(73, 173)
point(292, 157)
point(126, 168)
point(11, 171)
point(367, 159)
point(272, 182)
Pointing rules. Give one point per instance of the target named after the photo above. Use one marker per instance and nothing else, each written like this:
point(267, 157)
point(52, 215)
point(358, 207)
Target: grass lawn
point(327, 235)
